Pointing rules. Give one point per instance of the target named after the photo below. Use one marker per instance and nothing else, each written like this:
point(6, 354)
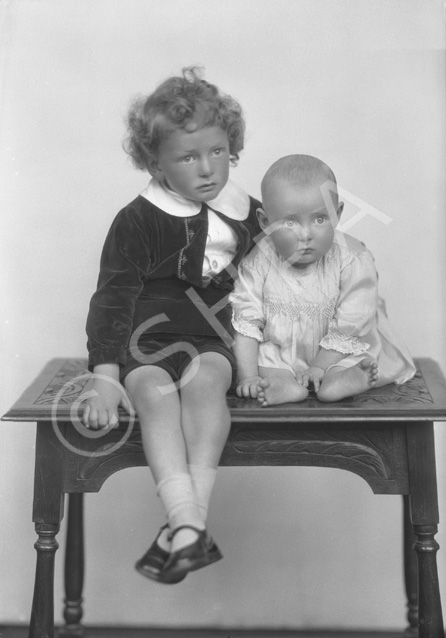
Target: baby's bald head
point(302, 172)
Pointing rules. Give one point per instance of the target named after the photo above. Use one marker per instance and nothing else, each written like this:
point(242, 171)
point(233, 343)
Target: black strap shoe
point(192, 557)
point(151, 565)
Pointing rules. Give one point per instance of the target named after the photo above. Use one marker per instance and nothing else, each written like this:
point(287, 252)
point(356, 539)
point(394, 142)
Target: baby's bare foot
point(372, 368)
point(276, 390)
point(348, 382)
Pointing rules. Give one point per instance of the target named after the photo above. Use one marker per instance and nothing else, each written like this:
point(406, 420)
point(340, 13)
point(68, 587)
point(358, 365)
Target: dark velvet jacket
point(150, 279)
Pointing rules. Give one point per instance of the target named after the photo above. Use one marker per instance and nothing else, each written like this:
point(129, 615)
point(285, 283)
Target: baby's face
point(300, 221)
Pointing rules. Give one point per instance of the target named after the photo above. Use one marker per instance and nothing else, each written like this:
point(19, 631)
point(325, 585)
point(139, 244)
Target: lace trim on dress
point(343, 343)
point(248, 327)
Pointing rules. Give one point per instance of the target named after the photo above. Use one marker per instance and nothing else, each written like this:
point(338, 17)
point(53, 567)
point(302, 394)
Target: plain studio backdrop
point(359, 84)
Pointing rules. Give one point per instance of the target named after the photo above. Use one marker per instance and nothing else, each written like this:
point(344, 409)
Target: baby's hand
point(101, 408)
point(313, 375)
point(247, 387)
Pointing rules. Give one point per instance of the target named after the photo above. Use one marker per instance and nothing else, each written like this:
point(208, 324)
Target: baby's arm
point(101, 407)
point(246, 351)
point(248, 320)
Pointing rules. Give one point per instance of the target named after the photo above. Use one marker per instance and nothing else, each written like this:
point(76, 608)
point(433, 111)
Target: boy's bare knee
point(148, 384)
point(211, 376)
point(204, 385)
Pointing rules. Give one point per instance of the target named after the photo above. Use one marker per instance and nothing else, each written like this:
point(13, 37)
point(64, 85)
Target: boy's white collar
point(232, 201)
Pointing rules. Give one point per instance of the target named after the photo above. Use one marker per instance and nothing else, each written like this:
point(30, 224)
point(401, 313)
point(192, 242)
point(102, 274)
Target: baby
point(306, 308)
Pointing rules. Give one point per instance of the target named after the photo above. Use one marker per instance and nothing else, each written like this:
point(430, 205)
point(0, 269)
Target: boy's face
point(300, 221)
point(194, 163)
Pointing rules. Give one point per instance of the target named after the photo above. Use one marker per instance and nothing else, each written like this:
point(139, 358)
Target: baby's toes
point(374, 370)
point(366, 364)
point(373, 375)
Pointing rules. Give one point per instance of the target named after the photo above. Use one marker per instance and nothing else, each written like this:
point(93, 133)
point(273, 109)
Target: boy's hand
point(247, 387)
point(101, 409)
point(313, 375)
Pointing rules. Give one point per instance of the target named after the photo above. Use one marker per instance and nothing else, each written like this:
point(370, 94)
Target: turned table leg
point(410, 572)
point(424, 517)
point(47, 514)
point(74, 568)
point(42, 611)
point(431, 621)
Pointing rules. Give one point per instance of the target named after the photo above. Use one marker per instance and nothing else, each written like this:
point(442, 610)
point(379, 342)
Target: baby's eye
point(290, 223)
point(321, 219)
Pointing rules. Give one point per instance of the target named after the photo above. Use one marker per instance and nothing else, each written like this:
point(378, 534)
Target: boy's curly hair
point(172, 105)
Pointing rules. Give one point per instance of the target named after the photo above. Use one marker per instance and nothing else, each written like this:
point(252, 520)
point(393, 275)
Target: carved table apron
point(384, 435)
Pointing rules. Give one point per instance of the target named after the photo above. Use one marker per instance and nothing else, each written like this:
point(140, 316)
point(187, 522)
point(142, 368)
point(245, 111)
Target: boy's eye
point(219, 151)
point(187, 159)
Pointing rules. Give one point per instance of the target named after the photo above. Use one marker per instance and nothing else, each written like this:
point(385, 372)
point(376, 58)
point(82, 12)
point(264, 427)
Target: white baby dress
point(333, 304)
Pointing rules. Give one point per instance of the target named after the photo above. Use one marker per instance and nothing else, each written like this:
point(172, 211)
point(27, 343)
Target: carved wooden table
point(385, 436)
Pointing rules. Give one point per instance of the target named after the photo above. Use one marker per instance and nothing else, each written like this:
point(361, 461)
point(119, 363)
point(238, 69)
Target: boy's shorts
point(174, 353)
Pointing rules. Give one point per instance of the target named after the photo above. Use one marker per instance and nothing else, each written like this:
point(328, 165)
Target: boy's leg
point(159, 415)
point(279, 385)
point(206, 422)
point(203, 479)
point(341, 382)
point(205, 414)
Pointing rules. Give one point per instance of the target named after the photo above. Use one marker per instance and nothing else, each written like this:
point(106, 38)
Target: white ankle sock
point(179, 501)
point(203, 479)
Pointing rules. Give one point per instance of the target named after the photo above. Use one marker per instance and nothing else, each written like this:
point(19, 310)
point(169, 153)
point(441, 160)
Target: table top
point(57, 392)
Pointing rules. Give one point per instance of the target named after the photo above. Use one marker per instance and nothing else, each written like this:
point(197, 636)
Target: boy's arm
point(101, 407)
point(125, 262)
point(246, 350)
